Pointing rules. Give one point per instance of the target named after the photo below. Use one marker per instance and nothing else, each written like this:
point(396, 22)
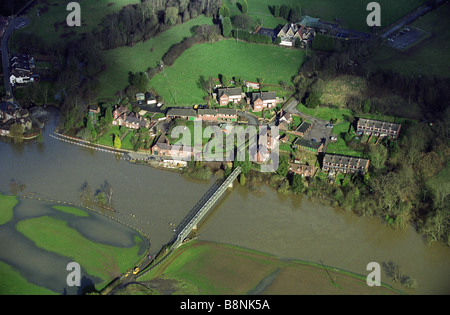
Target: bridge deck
point(197, 215)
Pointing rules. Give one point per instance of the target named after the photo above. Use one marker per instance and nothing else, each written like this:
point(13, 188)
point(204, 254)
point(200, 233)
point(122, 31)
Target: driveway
point(319, 131)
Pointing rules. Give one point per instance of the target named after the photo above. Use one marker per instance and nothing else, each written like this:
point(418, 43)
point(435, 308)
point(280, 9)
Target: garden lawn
point(141, 57)
point(326, 113)
point(340, 146)
point(178, 85)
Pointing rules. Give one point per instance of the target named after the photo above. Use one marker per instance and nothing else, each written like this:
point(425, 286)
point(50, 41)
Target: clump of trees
point(395, 273)
point(198, 170)
point(251, 37)
point(140, 22)
point(291, 13)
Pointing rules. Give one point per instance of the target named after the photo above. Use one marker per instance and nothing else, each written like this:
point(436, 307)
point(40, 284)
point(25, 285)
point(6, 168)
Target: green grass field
point(212, 268)
point(92, 13)
point(178, 85)
point(13, 283)
point(108, 138)
point(429, 57)
point(326, 113)
point(141, 56)
point(55, 235)
point(7, 204)
point(351, 13)
point(72, 210)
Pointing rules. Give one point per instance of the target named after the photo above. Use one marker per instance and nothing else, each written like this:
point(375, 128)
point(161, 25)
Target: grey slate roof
point(264, 96)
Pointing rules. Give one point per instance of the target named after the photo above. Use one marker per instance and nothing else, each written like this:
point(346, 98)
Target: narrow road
point(13, 24)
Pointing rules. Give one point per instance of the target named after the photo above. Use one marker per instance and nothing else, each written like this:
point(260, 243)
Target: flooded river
point(292, 227)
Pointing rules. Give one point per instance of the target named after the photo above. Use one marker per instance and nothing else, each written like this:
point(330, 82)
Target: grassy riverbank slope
point(211, 268)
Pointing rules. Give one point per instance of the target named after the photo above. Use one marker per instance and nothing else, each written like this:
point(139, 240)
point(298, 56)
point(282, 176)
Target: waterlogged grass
point(211, 268)
point(96, 258)
point(7, 204)
point(179, 84)
point(72, 210)
point(12, 283)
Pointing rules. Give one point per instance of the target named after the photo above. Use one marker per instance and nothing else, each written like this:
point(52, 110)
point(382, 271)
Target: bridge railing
point(206, 207)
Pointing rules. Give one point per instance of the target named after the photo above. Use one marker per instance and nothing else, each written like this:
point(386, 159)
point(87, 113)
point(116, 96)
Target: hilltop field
point(178, 84)
point(349, 13)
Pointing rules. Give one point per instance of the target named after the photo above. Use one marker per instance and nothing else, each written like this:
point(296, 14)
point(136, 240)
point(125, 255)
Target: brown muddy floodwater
point(292, 227)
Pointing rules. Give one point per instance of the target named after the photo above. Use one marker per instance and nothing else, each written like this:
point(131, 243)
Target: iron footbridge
point(199, 211)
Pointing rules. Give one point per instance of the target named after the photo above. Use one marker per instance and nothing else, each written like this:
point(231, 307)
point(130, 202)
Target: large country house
point(290, 32)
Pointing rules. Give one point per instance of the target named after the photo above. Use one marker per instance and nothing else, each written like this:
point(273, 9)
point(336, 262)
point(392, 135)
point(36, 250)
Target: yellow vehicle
point(195, 106)
point(135, 270)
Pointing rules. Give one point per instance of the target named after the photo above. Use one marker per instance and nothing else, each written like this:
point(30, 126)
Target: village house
point(165, 149)
point(345, 164)
point(227, 95)
point(263, 100)
point(303, 129)
point(123, 117)
point(8, 111)
point(377, 128)
point(21, 69)
point(189, 114)
point(25, 123)
point(269, 144)
point(287, 117)
point(308, 145)
point(251, 85)
point(217, 114)
point(150, 99)
point(208, 114)
point(94, 110)
point(301, 169)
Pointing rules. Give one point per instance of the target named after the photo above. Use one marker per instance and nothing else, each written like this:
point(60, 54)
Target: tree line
point(140, 22)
